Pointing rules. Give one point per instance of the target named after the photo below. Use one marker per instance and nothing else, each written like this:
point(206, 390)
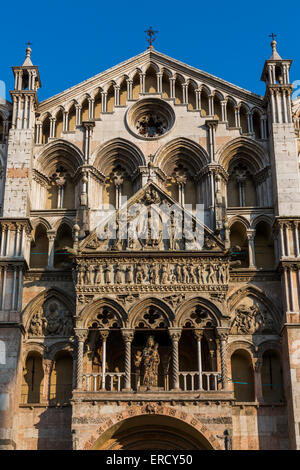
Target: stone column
point(251, 236)
point(172, 87)
point(211, 105)
point(159, 82)
point(175, 334)
point(47, 367)
point(257, 363)
point(199, 335)
point(296, 233)
point(104, 335)
point(81, 334)
point(78, 115)
point(117, 95)
point(129, 89)
point(128, 335)
point(51, 237)
point(224, 110)
point(222, 335)
point(91, 102)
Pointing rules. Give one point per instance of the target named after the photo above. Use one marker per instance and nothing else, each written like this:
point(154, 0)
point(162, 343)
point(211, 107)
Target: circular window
point(150, 118)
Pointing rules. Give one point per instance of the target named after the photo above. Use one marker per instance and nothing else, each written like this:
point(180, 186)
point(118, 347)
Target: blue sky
point(74, 40)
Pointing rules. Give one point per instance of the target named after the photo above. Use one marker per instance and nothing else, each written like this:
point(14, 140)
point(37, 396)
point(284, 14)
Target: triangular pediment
point(151, 221)
point(141, 62)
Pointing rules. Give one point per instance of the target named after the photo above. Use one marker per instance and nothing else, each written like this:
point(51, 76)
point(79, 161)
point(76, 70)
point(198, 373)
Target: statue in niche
point(150, 360)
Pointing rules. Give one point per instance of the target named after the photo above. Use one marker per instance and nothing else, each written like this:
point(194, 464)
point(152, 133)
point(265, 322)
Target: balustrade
point(115, 381)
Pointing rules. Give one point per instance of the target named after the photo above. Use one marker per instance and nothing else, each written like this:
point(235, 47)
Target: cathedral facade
point(150, 261)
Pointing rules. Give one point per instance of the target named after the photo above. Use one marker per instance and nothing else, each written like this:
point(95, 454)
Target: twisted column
point(222, 334)
point(81, 335)
point(128, 335)
point(175, 334)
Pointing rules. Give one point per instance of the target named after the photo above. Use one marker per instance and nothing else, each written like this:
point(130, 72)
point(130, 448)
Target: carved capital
point(81, 334)
point(128, 334)
point(104, 334)
point(175, 334)
point(198, 333)
point(257, 364)
point(222, 333)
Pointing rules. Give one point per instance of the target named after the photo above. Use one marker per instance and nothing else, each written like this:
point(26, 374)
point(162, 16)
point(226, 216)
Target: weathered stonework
point(159, 325)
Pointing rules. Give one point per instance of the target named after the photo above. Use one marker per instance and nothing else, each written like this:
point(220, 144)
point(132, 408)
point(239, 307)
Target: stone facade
point(150, 260)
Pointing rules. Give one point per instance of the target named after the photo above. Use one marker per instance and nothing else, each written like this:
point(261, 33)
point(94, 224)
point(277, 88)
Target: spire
point(275, 55)
point(27, 61)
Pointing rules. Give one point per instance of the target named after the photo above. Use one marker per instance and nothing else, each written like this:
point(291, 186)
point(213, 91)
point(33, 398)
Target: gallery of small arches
point(50, 376)
point(165, 84)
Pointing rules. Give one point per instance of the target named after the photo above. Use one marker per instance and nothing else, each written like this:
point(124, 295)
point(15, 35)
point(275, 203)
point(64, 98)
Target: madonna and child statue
point(149, 360)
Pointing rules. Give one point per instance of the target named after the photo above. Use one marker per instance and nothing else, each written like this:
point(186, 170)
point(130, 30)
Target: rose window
point(150, 118)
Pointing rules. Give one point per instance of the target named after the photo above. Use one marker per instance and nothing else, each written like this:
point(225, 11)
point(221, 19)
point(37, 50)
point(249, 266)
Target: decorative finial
point(275, 55)
point(27, 60)
point(28, 49)
point(151, 36)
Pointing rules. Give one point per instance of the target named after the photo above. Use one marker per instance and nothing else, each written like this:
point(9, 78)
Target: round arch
point(165, 420)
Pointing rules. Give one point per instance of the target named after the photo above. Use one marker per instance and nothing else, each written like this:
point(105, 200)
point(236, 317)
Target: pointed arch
point(184, 311)
point(181, 149)
point(60, 151)
point(44, 296)
point(136, 311)
point(115, 151)
point(89, 313)
point(242, 147)
point(253, 291)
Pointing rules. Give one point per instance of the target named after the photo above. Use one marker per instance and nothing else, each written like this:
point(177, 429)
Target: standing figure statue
point(151, 362)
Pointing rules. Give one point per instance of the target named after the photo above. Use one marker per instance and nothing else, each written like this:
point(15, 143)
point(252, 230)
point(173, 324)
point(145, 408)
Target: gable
point(151, 221)
point(140, 64)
